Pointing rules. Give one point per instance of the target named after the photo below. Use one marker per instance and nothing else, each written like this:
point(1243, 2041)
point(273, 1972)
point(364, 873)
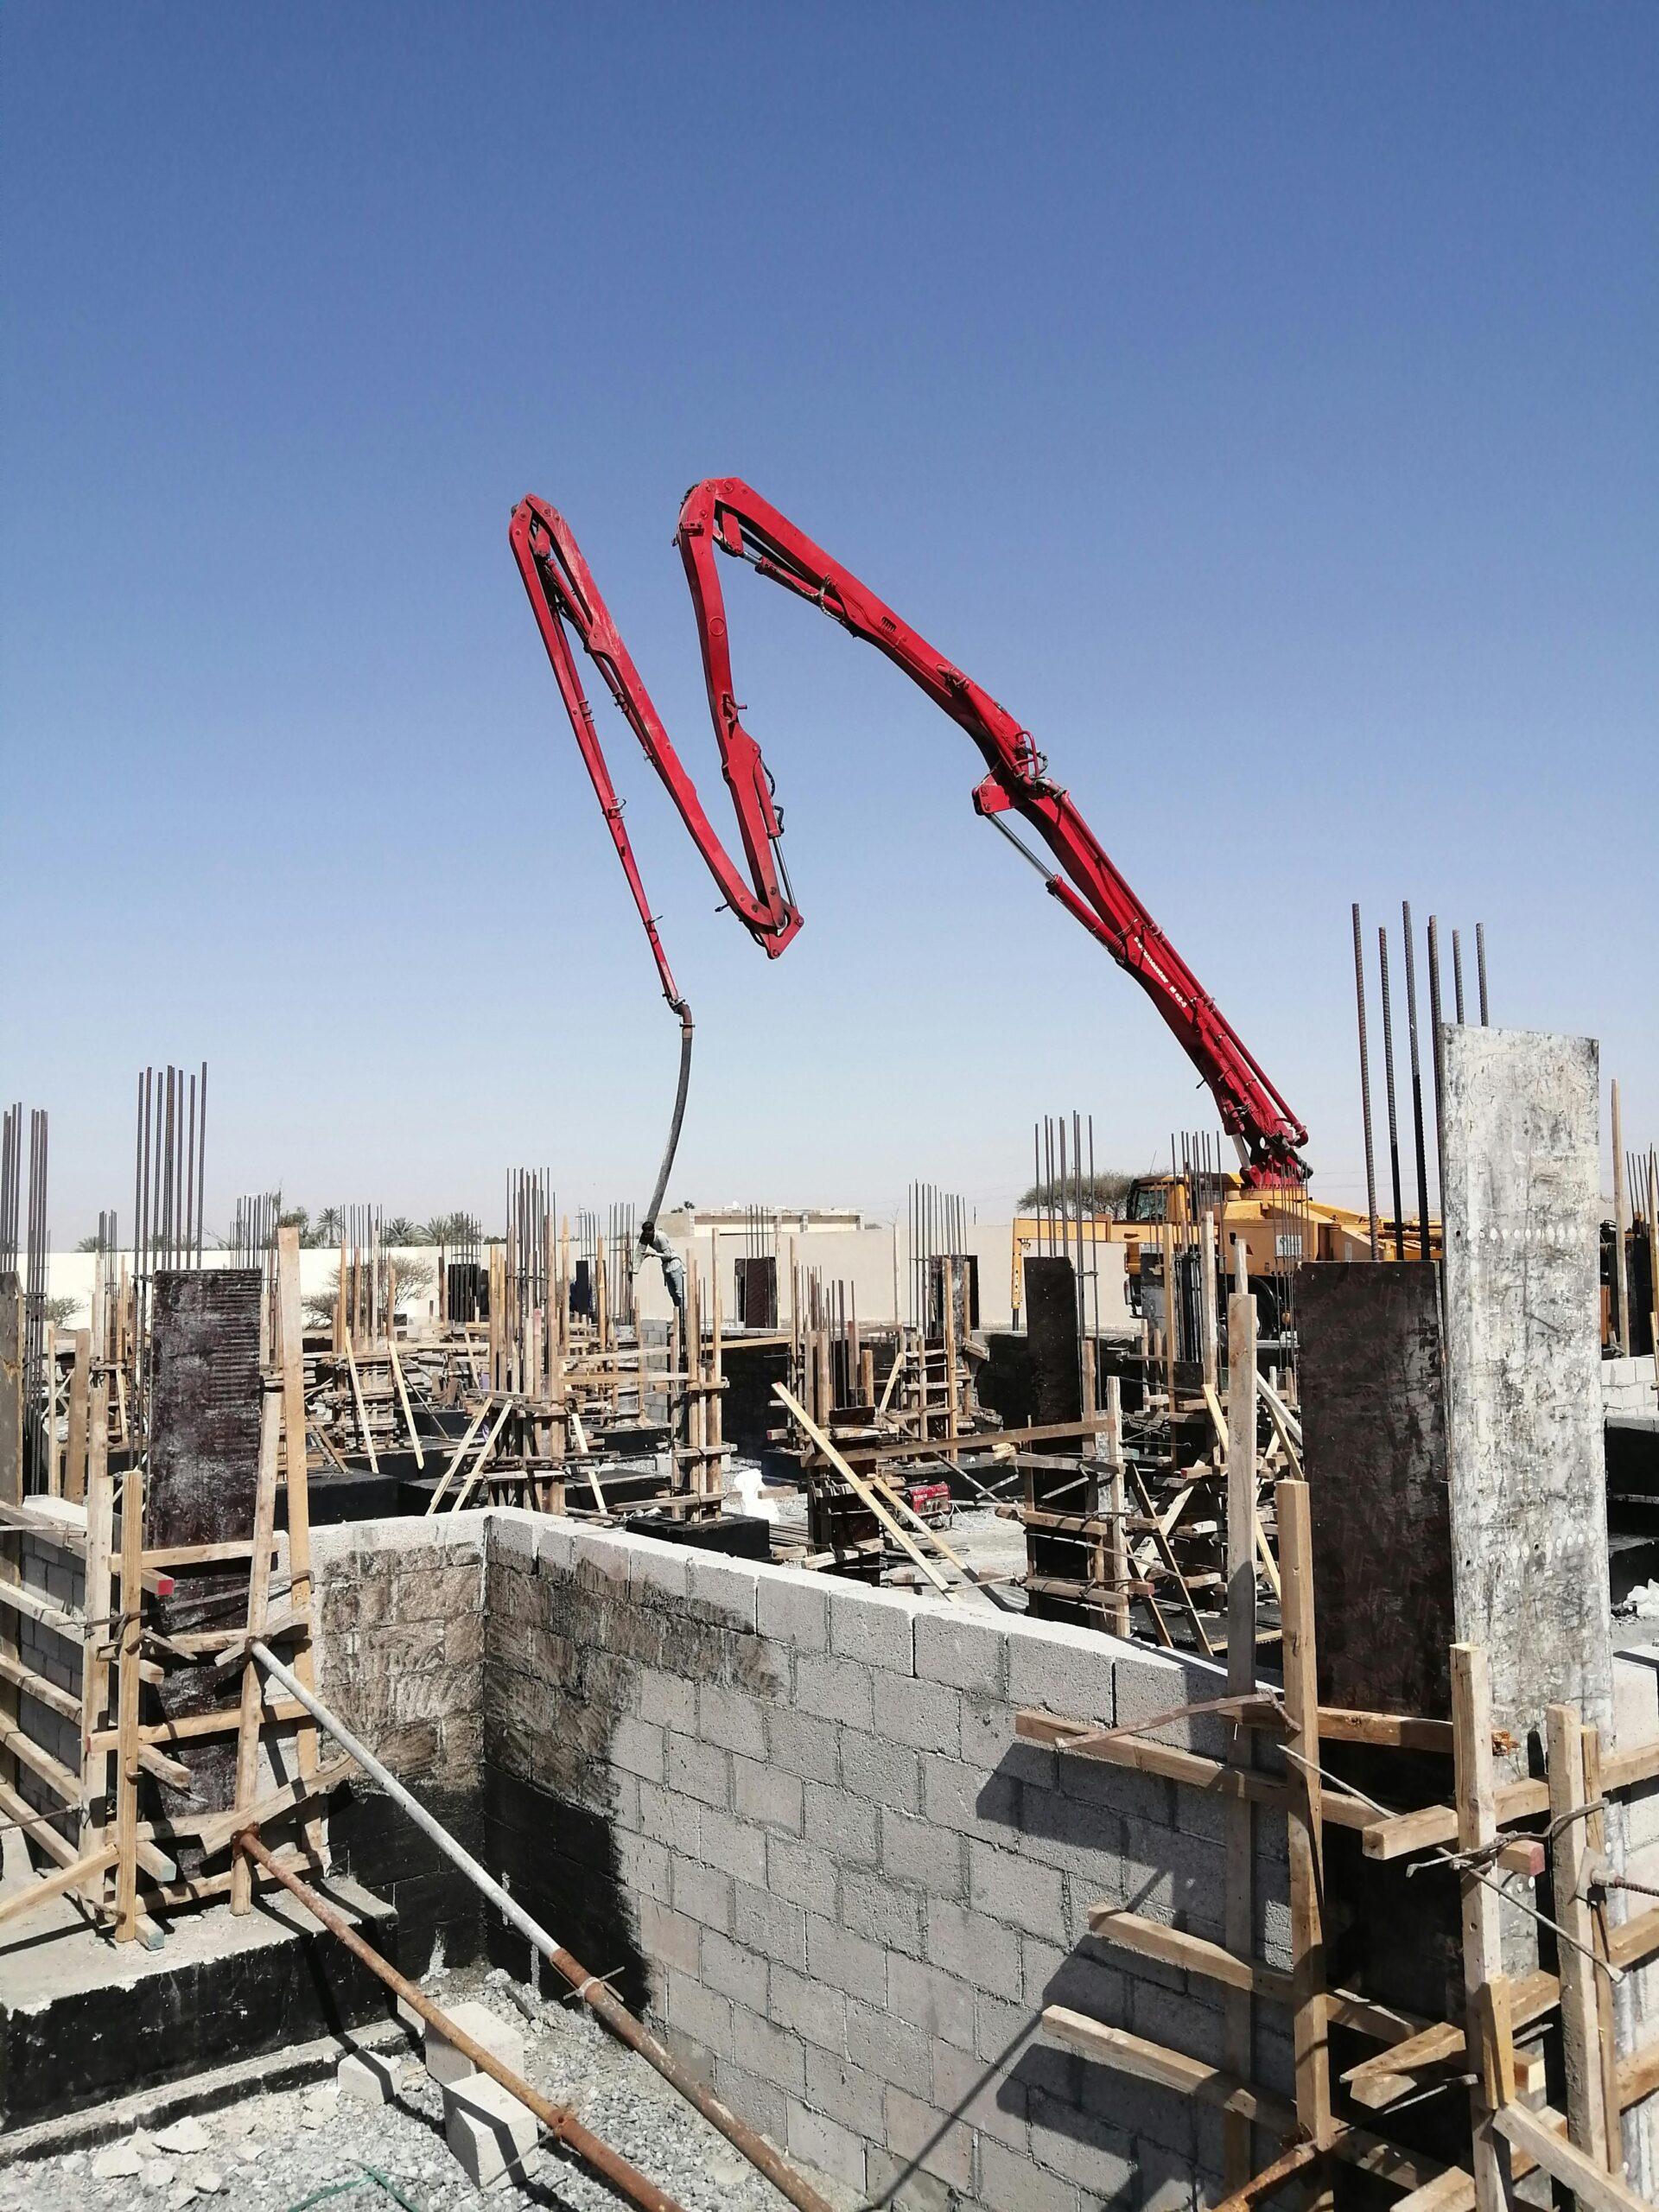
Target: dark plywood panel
point(1052, 1332)
point(204, 1451)
point(204, 1470)
point(1374, 1421)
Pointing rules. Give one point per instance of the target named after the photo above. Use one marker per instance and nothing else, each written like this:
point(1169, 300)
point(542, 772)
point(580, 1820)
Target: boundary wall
point(790, 1816)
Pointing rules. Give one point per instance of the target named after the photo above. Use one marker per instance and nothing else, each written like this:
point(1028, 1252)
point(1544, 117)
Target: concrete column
point(1529, 1501)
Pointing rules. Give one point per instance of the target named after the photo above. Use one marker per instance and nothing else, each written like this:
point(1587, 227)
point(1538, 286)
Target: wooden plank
point(1404, 1833)
point(1272, 2178)
point(460, 1453)
point(126, 1757)
point(1442, 2043)
point(52, 1772)
point(1635, 1939)
point(1581, 2020)
point(1190, 1767)
point(362, 1412)
point(264, 1517)
point(1606, 2040)
point(95, 1649)
point(1394, 1730)
point(862, 1491)
point(1174, 1946)
point(1169, 2070)
point(190, 1727)
point(215, 1830)
point(40, 1687)
point(1237, 1433)
point(75, 1876)
point(1305, 1821)
point(1595, 2188)
point(74, 1473)
point(1483, 1949)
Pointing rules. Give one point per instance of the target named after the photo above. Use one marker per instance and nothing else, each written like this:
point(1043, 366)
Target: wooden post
point(1483, 1953)
point(1237, 1823)
point(53, 1460)
point(715, 1472)
point(1241, 1491)
point(290, 1352)
point(264, 1523)
point(131, 1650)
point(952, 1420)
point(1580, 2017)
point(1171, 1333)
point(1621, 1277)
point(1112, 1440)
point(1305, 1821)
point(1207, 1299)
point(75, 1473)
point(94, 1658)
point(1596, 1837)
point(339, 1304)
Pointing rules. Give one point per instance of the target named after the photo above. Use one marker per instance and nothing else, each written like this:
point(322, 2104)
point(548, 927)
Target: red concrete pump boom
point(724, 514)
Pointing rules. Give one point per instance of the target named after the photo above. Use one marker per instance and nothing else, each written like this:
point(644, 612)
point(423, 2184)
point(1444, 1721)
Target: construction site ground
point(311, 2146)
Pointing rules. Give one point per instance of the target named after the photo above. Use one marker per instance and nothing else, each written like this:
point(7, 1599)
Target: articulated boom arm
point(724, 515)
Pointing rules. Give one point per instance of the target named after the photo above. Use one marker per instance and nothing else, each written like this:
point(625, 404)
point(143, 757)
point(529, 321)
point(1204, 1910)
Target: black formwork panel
point(1373, 1407)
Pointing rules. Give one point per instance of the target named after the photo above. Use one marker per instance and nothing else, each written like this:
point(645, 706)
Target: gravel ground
point(274, 2153)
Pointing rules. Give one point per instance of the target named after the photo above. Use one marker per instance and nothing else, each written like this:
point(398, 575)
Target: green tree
point(400, 1229)
point(452, 1228)
point(1101, 1193)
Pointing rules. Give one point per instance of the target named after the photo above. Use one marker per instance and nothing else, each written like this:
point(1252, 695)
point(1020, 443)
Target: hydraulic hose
point(673, 1268)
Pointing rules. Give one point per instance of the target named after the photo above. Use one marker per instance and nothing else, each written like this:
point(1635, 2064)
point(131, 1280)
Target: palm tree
point(400, 1229)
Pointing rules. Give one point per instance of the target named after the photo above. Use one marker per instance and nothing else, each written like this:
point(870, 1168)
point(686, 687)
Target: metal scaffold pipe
point(593, 1993)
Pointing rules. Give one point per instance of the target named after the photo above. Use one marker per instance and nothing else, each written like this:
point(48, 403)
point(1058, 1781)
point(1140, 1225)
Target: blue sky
point(1260, 400)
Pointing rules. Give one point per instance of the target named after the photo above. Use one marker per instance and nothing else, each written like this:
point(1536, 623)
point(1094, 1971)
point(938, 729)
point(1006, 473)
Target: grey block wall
point(852, 1890)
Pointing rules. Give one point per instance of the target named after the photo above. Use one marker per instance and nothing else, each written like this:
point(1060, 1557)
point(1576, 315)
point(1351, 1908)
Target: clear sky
point(1262, 401)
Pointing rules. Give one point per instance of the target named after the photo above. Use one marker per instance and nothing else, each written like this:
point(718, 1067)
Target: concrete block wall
point(850, 1890)
point(400, 1626)
point(57, 1575)
point(1628, 1386)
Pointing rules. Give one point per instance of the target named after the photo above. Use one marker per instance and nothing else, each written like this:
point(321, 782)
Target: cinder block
point(981, 1952)
point(657, 1571)
point(876, 1626)
point(729, 1717)
point(984, 2096)
point(702, 1893)
point(846, 2092)
point(1062, 1669)
point(1009, 1886)
point(1148, 1683)
point(368, 2077)
point(969, 1799)
point(886, 1773)
point(802, 1744)
point(700, 2012)
point(835, 1688)
point(445, 2064)
point(700, 1770)
point(761, 1793)
point(792, 1608)
point(733, 1845)
point(966, 1652)
point(938, 2143)
point(923, 1856)
point(635, 1747)
point(925, 1715)
point(760, 2103)
point(823, 2143)
point(722, 1590)
point(734, 1972)
point(872, 1907)
point(846, 1824)
point(671, 1818)
point(772, 1926)
point(801, 1873)
point(932, 1999)
point(1009, 2182)
point(643, 1865)
point(888, 2047)
point(809, 2008)
point(764, 2048)
point(846, 1961)
point(488, 2131)
point(668, 1700)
